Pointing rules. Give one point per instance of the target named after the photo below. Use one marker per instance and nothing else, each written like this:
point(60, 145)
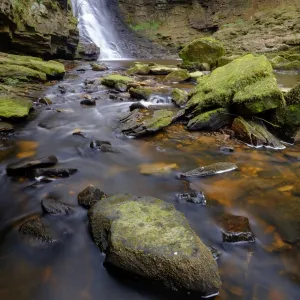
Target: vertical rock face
point(40, 28)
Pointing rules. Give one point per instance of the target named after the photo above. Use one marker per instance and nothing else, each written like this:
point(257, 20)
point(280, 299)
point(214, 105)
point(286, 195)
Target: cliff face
point(242, 25)
point(44, 28)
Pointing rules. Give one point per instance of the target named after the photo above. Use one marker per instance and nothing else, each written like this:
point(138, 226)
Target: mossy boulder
point(14, 108)
point(114, 80)
point(179, 96)
point(143, 122)
point(142, 93)
point(202, 50)
point(148, 238)
point(224, 60)
point(286, 62)
point(293, 96)
point(247, 84)
point(139, 69)
point(212, 120)
point(162, 69)
point(178, 76)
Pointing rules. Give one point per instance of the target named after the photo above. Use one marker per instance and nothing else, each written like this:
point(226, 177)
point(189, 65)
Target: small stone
point(79, 133)
point(227, 149)
point(90, 196)
point(45, 101)
point(98, 144)
point(62, 89)
point(195, 197)
point(88, 102)
point(54, 207)
point(236, 229)
point(6, 127)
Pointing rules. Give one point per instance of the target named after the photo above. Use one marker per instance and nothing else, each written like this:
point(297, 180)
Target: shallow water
point(265, 189)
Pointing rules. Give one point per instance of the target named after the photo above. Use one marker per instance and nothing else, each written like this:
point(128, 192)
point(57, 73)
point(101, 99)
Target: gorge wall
point(44, 28)
point(242, 25)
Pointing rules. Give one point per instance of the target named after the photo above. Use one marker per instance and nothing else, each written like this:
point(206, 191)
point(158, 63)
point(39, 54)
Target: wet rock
point(53, 173)
point(142, 93)
point(99, 67)
point(138, 69)
point(137, 105)
point(121, 87)
point(227, 149)
point(195, 197)
point(79, 133)
point(179, 96)
point(54, 207)
point(36, 230)
point(160, 168)
point(147, 237)
point(255, 134)
point(62, 88)
point(87, 50)
point(88, 102)
point(212, 120)
point(45, 101)
point(178, 76)
point(7, 146)
point(108, 148)
point(114, 79)
point(24, 167)
point(292, 155)
point(90, 195)
point(97, 143)
point(217, 168)
point(139, 123)
point(6, 127)
point(54, 121)
point(236, 229)
point(12, 107)
point(296, 137)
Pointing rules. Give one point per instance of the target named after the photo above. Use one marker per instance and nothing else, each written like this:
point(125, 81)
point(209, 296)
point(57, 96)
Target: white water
point(95, 24)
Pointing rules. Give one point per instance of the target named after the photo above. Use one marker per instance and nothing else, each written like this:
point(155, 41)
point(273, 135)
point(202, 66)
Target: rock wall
point(242, 25)
point(43, 28)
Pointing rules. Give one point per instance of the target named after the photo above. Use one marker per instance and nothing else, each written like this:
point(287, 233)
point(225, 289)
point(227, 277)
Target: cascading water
point(95, 24)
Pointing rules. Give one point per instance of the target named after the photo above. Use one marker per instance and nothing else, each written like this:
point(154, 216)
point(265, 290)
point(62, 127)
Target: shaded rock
point(14, 108)
point(87, 50)
point(88, 102)
point(255, 134)
point(293, 96)
point(54, 207)
point(178, 76)
point(22, 168)
point(139, 69)
point(137, 105)
point(45, 101)
point(160, 168)
point(147, 237)
point(36, 230)
point(227, 149)
point(236, 229)
point(53, 173)
point(212, 120)
point(215, 252)
point(114, 79)
point(90, 195)
point(179, 96)
point(139, 123)
point(296, 137)
point(99, 67)
point(195, 197)
point(217, 168)
point(98, 144)
point(202, 50)
point(6, 127)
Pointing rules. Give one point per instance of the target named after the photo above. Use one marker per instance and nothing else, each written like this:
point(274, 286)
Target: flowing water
point(265, 189)
point(94, 23)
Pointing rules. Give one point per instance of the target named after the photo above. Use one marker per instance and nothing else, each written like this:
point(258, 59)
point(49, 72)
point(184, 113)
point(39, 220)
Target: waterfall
point(95, 24)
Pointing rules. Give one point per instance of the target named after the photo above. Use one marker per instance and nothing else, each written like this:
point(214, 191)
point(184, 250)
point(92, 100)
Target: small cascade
point(95, 24)
point(160, 99)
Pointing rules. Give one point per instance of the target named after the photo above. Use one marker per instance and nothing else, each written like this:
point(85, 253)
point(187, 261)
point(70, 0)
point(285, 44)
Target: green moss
point(178, 76)
point(139, 69)
point(14, 108)
point(179, 96)
point(203, 50)
point(146, 26)
point(113, 79)
point(293, 96)
point(141, 92)
point(160, 119)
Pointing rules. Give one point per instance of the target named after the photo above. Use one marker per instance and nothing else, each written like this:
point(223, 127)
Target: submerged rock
point(227, 149)
point(143, 122)
point(14, 107)
point(54, 207)
point(195, 197)
point(147, 237)
point(23, 167)
point(36, 230)
point(202, 50)
point(160, 168)
point(97, 143)
point(236, 229)
point(217, 168)
point(179, 96)
point(255, 134)
point(90, 195)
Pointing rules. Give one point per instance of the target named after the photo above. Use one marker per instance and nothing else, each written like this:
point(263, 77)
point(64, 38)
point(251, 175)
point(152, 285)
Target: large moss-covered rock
point(203, 50)
point(114, 80)
point(247, 82)
point(178, 76)
point(293, 96)
point(45, 28)
point(286, 62)
point(149, 238)
point(139, 69)
point(14, 107)
point(179, 96)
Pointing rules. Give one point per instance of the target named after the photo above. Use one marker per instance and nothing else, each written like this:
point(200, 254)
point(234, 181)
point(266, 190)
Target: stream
point(265, 189)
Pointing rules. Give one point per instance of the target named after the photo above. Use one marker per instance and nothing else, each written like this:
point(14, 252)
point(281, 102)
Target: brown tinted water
point(265, 188)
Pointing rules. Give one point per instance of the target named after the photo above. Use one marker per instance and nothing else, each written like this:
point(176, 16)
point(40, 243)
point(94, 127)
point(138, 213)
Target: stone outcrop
point(45, 28)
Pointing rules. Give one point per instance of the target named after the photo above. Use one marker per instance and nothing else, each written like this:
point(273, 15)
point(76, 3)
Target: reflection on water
point(265, 189)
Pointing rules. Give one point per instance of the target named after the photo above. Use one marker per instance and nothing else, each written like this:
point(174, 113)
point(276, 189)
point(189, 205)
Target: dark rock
point(121, 87)
point(21, 168)
point(45, 101)
point(54, 121)
point(255, 134)
point(6, 127)
point(108, 148)
point(99, 67)
point(36, 229)
point(213, 169)
point(79, 133)
point(62, 88)
point(54, 173)
point(87, 50)
point(148, 238)
point(227, 149)
point(195, 197)
point(137, 105)
point(215, 252)
point(98, 144)
point(88, 102)
point(89, 196)
point(296, 137)
point(54, 207)
point(236, 229)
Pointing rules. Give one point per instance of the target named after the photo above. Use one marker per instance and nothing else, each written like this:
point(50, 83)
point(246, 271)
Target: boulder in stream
point(12, 107)
point(99, 67)
point(114, 80)
point(138, 69)
point(90, 195)
point(54, 207)
point(178, 76)
point(194, 197)
point(4, 127)
point(179, 96)
point(88, 102)
point(148, 238)
point(54, 173)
